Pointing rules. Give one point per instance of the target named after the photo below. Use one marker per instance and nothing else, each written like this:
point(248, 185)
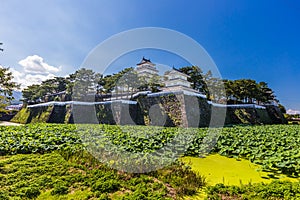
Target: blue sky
point(246, 39)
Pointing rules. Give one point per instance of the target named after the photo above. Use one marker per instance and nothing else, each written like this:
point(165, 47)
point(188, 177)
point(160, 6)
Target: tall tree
point(205, 83)
point(31, 93)
point(7, 85)
point(84, 84)
point(153, 84)
point(130, 80)
point(195, 77)
point(265, 94)
point(38, 92)
point(248, 91)
point(213, 87)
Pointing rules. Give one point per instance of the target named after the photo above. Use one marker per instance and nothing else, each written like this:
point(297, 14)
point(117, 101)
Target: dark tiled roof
point(144, 60)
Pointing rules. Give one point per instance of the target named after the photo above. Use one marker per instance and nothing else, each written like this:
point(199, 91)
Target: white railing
point(237, 105)
point(59, 103)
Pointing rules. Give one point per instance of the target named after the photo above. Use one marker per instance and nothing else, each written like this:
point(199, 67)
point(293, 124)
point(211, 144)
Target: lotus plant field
point(275, 147)
point(57, 161)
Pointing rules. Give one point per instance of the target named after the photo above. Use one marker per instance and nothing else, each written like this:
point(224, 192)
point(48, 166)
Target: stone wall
point(119, 113)
point(33, 115)
point(270, 115)
point(164, 110)
point(175, 110)
point(170, 110)
point(276, 115)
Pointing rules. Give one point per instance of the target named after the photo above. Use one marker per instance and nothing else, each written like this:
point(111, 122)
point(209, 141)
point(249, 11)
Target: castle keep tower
point(176, 78)
point(146, 68)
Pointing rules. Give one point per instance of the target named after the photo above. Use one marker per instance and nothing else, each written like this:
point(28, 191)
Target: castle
point(173, 80)
point(175, 104)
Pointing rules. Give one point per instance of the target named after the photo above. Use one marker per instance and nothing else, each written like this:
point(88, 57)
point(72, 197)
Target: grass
point(22, 116)
point(39, 115)
point(50, 176)
point(33, 115)
point(72, 173)
point(74, 195)
point(276, 190)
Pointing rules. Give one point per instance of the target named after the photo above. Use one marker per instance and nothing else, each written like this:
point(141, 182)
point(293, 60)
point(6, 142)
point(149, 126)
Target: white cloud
point(17, 75)
point(29, 79)
point(292, 112)
point(36, 65)
point(38, 78)
point(34, 71)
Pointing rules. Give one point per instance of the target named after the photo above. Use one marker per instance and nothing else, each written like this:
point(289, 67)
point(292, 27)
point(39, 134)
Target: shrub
point(106, 186)
point(59, 190)
point(31, 192)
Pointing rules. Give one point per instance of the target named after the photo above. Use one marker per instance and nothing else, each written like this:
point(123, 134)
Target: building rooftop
point(176, 71)
point(144, 61)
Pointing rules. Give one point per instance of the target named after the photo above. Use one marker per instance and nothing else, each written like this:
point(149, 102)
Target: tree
point(109, 83)
point(84, 84)
point(265, 94)
point(248, 91)
point(228, 84)
point(7, 85)
point(31, 93)
point(153, 83)
point(282, 108)
point(195, 77)
point(38, 92)
point(213, 87)
point(129, 81)
point(245, 90)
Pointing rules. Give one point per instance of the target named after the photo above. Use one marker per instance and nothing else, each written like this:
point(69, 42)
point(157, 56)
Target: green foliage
point(6, 87)
point(40, 114)
point(30, 176)
point(83, 82)
point(37, 138)
point(274, 147)
point(185, 182)
point(33, 115)
point(243, 115)
point(196, 77)
point(40, 92)
point(68, 114)
point(274, 190)
point(79, 84)
point(248, 91)
point(22, 116)
point(282, 108)
point(25, 176)
point(205, 82)
point(59, 190)
point(103, 185)
point(31, 192)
